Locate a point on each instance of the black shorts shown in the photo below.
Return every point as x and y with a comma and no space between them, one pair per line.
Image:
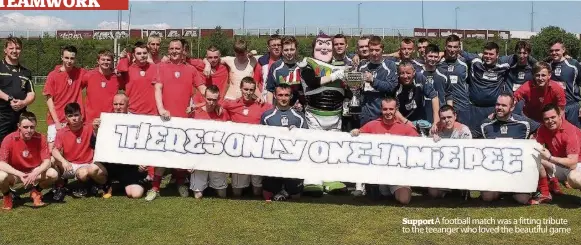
276,184
8,123
125,174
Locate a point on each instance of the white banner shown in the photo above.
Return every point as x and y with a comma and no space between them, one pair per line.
505,165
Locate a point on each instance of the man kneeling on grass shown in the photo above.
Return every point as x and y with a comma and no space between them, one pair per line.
129,176
24,158
73,153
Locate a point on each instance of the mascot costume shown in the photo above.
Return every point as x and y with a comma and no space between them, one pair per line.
324,91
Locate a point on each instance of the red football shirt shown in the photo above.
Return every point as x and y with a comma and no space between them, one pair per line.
24,155
139,88
218,78
562,142
378,127
75,146
100,92
200,113
241,111
536,98
178,82
64,88
124,63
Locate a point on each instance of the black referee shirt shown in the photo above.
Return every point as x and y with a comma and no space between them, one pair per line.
16,81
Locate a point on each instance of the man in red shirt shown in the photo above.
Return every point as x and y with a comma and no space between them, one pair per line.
540,92
173,93
138,82
63,86
73,153
560,152
218,74
101,86
24,158
200,179
246,110
129,176
388,124
153,57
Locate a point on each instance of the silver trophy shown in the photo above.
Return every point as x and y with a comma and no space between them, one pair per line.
356,83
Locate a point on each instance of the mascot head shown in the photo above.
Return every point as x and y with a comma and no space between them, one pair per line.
323,48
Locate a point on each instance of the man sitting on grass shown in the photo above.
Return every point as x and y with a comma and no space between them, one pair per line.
73,153
24,158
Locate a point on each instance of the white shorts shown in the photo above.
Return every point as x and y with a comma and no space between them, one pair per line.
327,123
240,181
388,190
76,166
200,178
561,172
51,133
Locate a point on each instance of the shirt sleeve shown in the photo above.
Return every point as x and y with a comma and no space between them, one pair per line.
465,133
49,85
561,99
198,64
469,56
28,87
258,77
521,92
6,150
366,129
159,74
44,154
572,146
197,79
85,76
270,80
58,141
123,65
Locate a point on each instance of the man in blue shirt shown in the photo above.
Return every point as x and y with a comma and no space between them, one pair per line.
286,71
487,81
413,92
435,76
505,124
380,77
566,73
455,68
282,115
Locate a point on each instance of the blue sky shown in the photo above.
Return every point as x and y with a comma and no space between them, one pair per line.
406,15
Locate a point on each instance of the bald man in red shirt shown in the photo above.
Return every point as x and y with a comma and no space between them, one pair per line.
101,86
24,157
540,92
388,124
173,92
561,142
246,109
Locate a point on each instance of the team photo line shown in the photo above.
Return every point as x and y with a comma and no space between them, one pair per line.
449,94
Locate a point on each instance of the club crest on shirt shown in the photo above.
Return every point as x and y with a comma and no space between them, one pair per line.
541,99
245,111
177,74
142,73
284,121
521,75
79,140
430,79
503,129
103,84
558,71
450,68
70,81
25,153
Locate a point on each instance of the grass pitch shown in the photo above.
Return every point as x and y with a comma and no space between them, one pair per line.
327,220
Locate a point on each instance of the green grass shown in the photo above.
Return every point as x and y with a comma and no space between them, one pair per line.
327,220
